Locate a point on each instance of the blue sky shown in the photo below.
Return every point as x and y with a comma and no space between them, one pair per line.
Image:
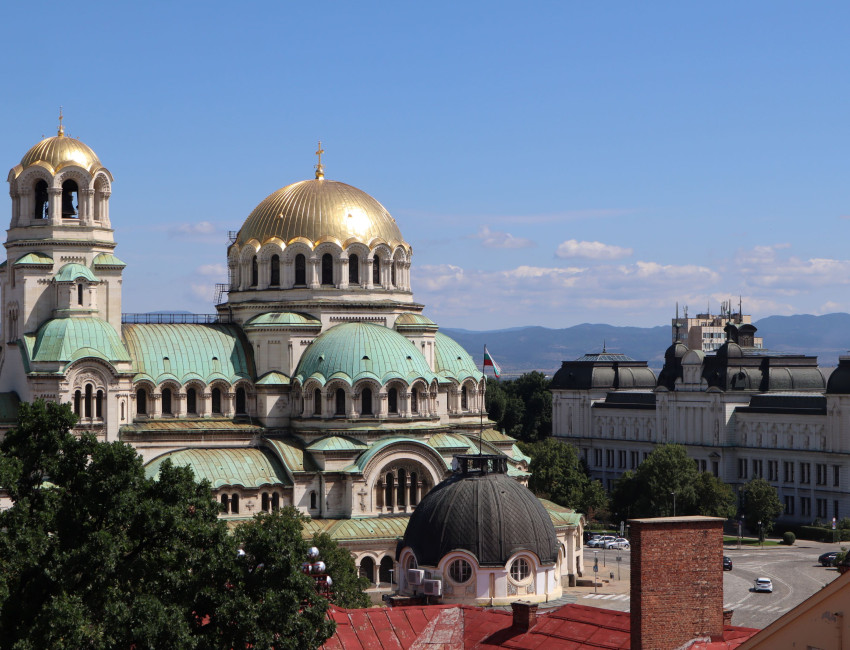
550,163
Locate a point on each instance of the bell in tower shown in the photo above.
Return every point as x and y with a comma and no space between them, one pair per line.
69,192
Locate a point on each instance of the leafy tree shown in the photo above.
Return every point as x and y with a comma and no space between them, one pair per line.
557,474
714,497
348,585
522,406
93,554
761,504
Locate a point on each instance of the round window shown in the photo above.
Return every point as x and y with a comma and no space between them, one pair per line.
520,569
460,571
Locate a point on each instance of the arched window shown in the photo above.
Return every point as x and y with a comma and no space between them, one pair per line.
225,503
265,502
98,404
122,411
191,401
390,490
41,201
88,400
241,408
340,401
255,271
402,488
166,401
376,271
317,402
392,272
414,401
460,571
414,488
69,198
520,569
366,402
80,293
216,401
77,401
464,400
300,270
327,269
385,570
312,500
392,400
234,504
367,569
275,501
353,269
275,271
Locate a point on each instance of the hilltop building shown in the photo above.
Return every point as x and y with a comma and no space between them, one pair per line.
742,413
318,382
706,331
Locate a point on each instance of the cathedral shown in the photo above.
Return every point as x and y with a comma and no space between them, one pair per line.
318,382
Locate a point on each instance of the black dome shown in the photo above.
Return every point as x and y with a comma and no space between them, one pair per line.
484,512
839,380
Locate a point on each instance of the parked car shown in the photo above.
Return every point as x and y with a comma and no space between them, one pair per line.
600,543
727,563
763,584
828,558
619,542
589,537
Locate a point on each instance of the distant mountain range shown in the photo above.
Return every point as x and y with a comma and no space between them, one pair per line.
522,349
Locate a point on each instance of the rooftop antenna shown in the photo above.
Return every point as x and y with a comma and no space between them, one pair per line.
740,307
320,169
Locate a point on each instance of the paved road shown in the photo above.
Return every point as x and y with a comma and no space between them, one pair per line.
794,570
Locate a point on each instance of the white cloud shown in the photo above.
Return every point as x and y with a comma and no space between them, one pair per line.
498,239
212,270
197,228
593,250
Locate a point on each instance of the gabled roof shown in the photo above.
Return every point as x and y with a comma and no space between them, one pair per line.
248,467
273,378
337,443
291,453
188,351
69,339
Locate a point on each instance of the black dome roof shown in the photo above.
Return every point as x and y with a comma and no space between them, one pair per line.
482,510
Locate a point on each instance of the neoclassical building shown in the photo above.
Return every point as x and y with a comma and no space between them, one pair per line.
742,412
317,383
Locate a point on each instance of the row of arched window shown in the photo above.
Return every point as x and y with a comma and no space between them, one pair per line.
366,402
167,401
88,403
385,570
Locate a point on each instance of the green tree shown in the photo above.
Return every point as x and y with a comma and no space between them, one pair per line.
761,506
714,497
522,407
557,474
94,554
349,586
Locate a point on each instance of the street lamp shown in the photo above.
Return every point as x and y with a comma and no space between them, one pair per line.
673,494
761,535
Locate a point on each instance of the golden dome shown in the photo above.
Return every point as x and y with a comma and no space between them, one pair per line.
58,152
320,210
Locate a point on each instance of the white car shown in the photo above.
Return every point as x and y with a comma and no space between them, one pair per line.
620,542
763,584
600,543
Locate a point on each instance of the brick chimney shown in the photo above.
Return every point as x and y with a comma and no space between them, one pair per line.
677,581
525,615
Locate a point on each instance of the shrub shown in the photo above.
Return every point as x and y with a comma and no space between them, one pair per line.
789,538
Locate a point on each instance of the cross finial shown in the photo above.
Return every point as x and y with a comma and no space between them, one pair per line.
320,170
61,132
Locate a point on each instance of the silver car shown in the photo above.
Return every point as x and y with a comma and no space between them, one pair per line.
763,584
620,542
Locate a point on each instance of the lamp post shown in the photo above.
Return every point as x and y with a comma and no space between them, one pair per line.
761,535
673,494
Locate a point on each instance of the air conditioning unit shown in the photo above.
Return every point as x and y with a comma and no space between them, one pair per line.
432,587
415,576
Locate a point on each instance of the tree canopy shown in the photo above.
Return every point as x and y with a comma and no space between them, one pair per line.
93,554
522,406
761,506
668,483
558,474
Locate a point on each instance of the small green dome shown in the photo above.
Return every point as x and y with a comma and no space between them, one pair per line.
452,361
283,319
409,320
69,339
353,351
70,272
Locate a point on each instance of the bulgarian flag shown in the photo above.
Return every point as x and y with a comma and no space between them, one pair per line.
489,361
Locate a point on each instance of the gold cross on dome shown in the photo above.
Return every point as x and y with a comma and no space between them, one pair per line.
61,128
320,170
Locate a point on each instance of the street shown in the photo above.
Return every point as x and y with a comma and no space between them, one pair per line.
794,570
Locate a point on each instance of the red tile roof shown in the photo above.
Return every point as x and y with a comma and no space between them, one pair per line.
461,627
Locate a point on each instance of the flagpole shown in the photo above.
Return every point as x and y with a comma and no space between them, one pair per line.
484,373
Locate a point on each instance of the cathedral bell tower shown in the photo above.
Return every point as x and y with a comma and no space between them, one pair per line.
59,246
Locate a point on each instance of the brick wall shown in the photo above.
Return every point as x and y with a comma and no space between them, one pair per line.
676,581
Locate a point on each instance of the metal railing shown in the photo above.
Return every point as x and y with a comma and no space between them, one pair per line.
171,318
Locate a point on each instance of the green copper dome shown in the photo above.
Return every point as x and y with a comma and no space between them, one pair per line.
69,339
70,273
354,351
452,361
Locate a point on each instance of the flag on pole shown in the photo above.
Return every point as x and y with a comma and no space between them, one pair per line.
489,361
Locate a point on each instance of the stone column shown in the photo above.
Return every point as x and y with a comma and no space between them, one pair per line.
86,206
368,278
54,198
155,406
228,403
205,405
180,398
313,272
104,208
382,405
343,273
